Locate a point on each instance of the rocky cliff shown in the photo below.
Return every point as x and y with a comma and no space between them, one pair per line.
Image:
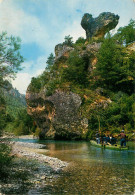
60,107
58,115
97,27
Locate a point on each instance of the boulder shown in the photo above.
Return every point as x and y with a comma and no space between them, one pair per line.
58,115
98,27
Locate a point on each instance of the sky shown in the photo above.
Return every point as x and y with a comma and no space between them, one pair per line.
42,24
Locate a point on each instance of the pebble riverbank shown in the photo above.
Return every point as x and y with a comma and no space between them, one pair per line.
30,162
31,151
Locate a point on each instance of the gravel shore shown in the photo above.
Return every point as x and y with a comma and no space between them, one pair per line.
36,171
33,151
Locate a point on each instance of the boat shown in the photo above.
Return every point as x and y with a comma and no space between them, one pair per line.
107,146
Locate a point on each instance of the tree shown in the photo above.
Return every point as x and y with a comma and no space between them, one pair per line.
120,112
10,57
115,67
126,34
23,123
76,71
50,62
2,114
68,40
80,40
10,63
35,84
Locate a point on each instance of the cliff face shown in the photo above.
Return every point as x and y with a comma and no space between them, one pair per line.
59,115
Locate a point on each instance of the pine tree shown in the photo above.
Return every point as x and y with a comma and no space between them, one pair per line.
50,62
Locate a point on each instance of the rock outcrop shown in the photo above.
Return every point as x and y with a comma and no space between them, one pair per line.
62,50
98,27
58,115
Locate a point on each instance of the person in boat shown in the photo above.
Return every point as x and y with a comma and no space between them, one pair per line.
112,140
98,137
122,138
107,139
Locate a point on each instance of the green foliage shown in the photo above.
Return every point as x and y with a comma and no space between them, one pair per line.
5,160
126,34
13,105
2,114
35,84
50,62
68,40
120,111
76,71
51,86
80,40
116,116
23,124
10,58
10,63
114,69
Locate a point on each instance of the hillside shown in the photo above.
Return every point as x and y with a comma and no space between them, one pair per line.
89,85
14,100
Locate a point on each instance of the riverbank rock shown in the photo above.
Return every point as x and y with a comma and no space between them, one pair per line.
98,27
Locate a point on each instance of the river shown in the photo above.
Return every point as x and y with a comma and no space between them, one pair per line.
92,171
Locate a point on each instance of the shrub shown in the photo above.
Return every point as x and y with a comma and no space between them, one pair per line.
80,40
5,160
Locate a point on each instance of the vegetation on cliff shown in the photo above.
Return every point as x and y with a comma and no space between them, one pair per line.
105,87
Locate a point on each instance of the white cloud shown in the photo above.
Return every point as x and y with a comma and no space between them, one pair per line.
33,66
19,23
75,30
27,65
23,79
39,72
21,82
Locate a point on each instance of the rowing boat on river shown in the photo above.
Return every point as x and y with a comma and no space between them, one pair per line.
111,147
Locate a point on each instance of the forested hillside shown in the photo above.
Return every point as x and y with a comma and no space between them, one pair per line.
14,100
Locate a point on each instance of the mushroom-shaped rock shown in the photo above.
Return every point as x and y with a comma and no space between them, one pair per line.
98,27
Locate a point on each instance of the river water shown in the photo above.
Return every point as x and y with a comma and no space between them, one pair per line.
92,171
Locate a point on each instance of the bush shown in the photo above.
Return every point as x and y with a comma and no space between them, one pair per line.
76,71
68,40
80,40
23,124
5,160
